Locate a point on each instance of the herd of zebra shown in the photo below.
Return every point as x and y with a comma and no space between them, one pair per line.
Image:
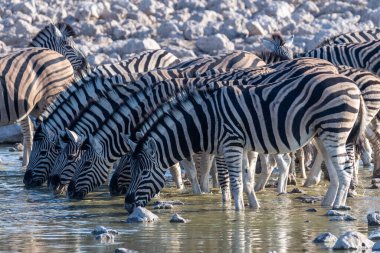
152,112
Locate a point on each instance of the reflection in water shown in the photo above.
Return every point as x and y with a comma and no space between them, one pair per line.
33,220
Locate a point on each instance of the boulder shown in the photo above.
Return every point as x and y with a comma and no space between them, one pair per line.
312,210
141,214
345,217
176,218
181,52
213,44
122,47
28,7
373,218
376,247
168,29
255,28
234,28
374,235
10,133
89,29
99,230
124,250
325,238
105,238
353,240
334,213
279,9
308,6
192,30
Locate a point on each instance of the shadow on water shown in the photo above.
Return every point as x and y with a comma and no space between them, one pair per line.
34,220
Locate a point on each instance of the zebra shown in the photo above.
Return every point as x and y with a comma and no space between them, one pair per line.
352,37
98,165
286,115
71,103
57,38
30,79
62,171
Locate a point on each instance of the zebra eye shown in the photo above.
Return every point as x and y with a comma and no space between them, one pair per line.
87,164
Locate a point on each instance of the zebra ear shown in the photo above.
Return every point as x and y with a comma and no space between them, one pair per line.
289,41
268,44
151,146
94,142
72,136
128,142
56,31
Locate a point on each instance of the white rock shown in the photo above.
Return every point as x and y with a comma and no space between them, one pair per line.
279,9
25,28
176,218
124,250
19,15
234,28
213,44
141,18
3,49
168,29
309,6
141,214
255,28
192,30
375,16
373,4
373,218
325,238
97,59
27,7
148,6
374,235
353,240
190,4
99,230
268,23
89,29
181,52
302,17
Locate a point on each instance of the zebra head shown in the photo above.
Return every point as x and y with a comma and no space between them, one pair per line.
147,176
64,166
42,156
279,45
57,38
91,170
121,178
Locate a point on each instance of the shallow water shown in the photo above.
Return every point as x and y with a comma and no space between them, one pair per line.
33,220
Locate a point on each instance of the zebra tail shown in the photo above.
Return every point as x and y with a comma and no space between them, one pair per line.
360,125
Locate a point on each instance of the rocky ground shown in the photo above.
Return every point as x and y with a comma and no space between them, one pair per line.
108,31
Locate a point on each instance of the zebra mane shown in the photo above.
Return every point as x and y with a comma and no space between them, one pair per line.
66,29
278,39
328,41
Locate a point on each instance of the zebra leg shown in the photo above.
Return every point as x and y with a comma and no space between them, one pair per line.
301,158
175,170
233,156
366,152
373,137
214,172
249,165
291,174
335,158
224,179
266,171
283,164
27,133
345,177
191,172
203,165
314,176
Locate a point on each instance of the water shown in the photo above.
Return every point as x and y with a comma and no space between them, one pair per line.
33,220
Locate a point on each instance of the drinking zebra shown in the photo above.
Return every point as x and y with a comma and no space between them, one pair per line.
286,115
93,166
64,166
30,79
71,103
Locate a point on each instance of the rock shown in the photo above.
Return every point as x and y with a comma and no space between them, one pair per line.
99,230
373,218
27,7
254,28
176,218
181,52
234,28
376,247
124,250
163,206
309,199
279,9
325,238
374,235
345,217
308,6
213,44
130,46
172,202
342,208
89,29
334,213
192,30
296,190
112,232
10,133
311,210
97,59
105,238
373,4
168,29
353,240
148,6
190,4
23,27
141,214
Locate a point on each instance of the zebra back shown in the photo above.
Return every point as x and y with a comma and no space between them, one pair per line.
30,79
352,37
